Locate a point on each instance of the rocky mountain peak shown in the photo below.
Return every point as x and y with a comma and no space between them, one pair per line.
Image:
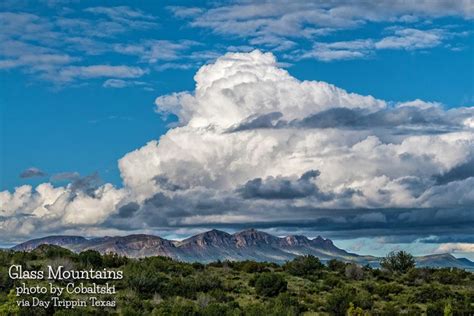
253,237
296,240
213,237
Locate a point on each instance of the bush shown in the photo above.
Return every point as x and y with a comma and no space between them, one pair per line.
144,279
176,307
253,267
285,304
113,260
303,266
354,272
331,281
390,309
339,300
270,284
336,266
400,261
90,258
433,293
384,290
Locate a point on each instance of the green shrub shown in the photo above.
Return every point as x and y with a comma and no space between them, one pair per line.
386,289
91,258
303,266
270,284
354,272
336,266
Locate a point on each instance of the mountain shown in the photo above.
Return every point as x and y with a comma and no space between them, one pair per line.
64,241
444,260
216,245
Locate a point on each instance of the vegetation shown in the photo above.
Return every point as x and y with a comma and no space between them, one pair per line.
303,286
400,262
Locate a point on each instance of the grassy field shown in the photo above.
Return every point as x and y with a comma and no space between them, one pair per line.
304,286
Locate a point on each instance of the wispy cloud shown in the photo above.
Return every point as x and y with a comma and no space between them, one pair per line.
99,71
272,23
119,84
62,49
408,39
32,172
152,51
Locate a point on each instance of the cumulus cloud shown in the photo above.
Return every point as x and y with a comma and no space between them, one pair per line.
455,247
249,141
281,188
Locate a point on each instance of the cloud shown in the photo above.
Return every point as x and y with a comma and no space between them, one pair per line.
119,83
152,51
409,39
32,172
271,24
281,188
71,73
245,153
121,12
455,247
65,176
58,48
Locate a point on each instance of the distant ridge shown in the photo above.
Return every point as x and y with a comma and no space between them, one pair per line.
213,245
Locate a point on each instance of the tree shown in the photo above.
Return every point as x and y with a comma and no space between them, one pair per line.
303,266
400,261
270,284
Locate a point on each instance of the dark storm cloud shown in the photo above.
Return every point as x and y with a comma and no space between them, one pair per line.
87,184
357,118
269,120
283,188
432,120
166,184
32,172
461,172
460,238
128,209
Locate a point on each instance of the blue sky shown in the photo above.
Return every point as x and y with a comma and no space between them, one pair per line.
79,80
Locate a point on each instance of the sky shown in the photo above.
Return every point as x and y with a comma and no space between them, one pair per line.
349,120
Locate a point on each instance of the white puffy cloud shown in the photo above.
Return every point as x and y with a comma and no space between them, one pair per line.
248,132
238,86
455,247
46,208
202,152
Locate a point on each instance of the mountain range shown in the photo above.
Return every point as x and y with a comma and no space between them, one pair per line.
216,245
